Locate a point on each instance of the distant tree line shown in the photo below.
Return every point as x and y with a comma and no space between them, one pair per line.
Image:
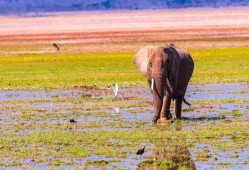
23,6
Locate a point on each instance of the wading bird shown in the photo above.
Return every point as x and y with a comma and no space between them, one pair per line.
140,151
56,46
115,89
72,121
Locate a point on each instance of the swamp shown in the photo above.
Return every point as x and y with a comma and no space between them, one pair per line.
57,113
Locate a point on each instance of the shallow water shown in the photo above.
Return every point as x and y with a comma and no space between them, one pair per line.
218,91
110,113
40,94
224,159
206,92
202,92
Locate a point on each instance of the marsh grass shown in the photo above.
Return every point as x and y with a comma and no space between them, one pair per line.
78,144
64,70
31,131
37,133
220,65
170,154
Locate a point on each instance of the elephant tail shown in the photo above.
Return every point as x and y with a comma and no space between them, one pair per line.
187,103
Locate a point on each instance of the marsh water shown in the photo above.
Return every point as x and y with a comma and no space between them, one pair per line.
125,107
202,92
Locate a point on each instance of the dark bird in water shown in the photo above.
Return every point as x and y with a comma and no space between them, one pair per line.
56,46
185,101
140,151
72,121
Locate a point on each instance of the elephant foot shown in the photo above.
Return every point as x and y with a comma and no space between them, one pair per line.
155,118
167,115
164,120
177,117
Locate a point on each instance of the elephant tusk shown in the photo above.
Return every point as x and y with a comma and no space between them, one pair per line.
152,84
169,86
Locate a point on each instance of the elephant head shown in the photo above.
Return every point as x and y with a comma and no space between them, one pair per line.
160,65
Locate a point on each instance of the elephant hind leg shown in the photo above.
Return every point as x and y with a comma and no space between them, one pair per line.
178,107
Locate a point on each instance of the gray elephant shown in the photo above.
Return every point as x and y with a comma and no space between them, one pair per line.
168,70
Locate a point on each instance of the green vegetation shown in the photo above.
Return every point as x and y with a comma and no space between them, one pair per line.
65,70
46,136
170,153
220,65
39,131
42,71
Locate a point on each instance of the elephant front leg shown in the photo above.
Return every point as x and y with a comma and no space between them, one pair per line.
165,113
178,107
156,116
158,102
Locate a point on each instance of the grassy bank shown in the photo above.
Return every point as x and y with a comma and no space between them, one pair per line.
39,71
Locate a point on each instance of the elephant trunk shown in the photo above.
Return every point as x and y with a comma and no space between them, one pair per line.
168,84
158,93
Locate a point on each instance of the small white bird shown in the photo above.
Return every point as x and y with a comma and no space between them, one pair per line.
115,89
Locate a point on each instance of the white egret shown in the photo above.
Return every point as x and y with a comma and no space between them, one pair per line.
114,88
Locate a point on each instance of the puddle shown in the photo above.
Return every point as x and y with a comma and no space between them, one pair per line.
236,159
39,94
132,109
218,91
204,92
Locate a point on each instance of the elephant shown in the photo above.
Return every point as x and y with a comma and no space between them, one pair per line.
168,70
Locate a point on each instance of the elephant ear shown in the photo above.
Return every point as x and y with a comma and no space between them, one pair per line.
141,60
